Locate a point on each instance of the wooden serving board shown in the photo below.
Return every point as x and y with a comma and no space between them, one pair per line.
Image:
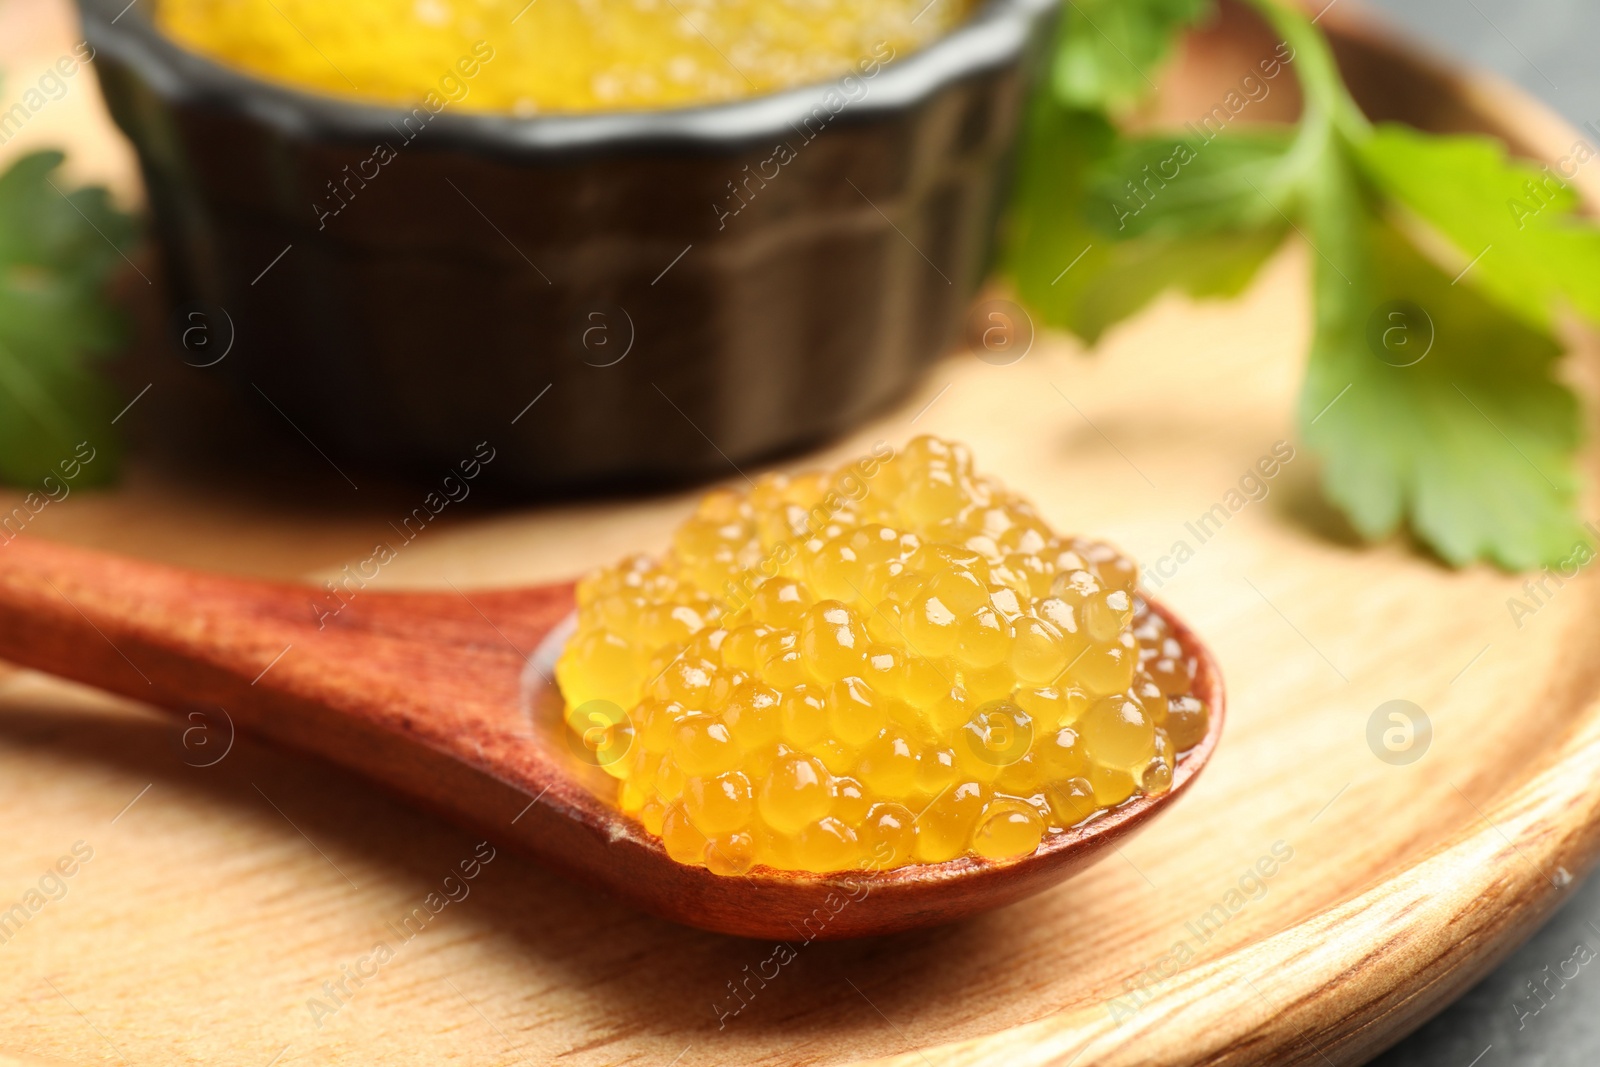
1308,902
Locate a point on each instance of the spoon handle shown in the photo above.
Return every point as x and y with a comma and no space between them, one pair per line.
422,692
155,633
350,674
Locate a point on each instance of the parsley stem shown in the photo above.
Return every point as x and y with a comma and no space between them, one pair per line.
1327,100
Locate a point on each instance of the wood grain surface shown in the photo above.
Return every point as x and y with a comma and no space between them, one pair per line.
1307,902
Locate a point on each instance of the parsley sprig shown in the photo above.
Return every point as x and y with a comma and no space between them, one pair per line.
58,248
1430,392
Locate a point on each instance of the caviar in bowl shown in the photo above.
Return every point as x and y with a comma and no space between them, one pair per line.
677,288
556,56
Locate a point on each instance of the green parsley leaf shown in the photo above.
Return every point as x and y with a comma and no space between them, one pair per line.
1049,234
1130,275
1110,49
1429,402
1512,221
1182,186
1067,256
1425,400
55,321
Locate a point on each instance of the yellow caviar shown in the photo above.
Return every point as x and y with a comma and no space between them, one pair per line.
897,662
530,56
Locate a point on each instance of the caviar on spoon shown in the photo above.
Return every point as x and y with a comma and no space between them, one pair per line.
895,662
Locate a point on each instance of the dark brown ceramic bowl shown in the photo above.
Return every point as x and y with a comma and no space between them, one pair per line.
589,262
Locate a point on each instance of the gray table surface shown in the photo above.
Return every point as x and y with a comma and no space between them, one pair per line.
1549,48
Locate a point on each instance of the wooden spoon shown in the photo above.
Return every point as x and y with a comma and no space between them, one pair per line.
445,698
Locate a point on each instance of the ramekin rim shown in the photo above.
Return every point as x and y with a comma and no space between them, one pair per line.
993,36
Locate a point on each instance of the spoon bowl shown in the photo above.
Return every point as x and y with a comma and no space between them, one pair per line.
447,698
